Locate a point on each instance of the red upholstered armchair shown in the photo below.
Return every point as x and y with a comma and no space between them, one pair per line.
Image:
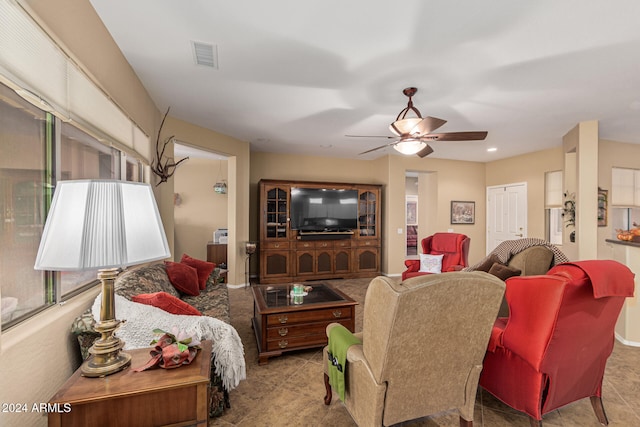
454,247
553,347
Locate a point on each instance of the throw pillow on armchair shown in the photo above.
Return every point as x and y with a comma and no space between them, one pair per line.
431,263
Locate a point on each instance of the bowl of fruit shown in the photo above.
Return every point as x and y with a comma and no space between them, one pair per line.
632,235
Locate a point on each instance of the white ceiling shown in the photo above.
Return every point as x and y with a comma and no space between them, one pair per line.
297,76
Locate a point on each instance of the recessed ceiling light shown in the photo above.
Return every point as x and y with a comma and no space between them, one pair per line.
492,149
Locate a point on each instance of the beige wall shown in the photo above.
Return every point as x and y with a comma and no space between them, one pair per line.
237,194
201,211
456,181
529,168
452,180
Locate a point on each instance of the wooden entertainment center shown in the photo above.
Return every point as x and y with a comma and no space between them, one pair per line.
288,255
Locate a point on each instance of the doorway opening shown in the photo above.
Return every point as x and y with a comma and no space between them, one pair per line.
411,214
201,211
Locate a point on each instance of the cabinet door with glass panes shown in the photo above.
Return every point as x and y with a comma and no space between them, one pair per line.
368,227
275,251
275,217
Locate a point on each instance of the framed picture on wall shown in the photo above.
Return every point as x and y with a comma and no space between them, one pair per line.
602,207
463,212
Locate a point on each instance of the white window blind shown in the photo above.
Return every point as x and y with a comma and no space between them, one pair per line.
625,187
87,104
37,68
30,59
553,189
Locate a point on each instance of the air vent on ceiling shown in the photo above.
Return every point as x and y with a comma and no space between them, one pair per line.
205,54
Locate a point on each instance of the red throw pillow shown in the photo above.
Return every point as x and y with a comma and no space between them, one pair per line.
167,302
204,269
183,277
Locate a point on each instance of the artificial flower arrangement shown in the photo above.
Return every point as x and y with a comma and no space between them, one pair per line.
172,349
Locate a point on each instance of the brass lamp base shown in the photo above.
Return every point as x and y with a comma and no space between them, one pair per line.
107,358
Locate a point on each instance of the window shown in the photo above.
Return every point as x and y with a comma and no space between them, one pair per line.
553,202
83,157
39,85
134,169
555,225
36,151
24,182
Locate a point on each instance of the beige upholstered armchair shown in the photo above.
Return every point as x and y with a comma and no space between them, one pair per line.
423,341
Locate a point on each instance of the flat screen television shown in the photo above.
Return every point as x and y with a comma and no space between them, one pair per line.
323,209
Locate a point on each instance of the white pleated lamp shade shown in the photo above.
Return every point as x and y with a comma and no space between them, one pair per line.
96,224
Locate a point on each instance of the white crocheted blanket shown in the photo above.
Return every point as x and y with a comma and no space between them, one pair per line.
141,320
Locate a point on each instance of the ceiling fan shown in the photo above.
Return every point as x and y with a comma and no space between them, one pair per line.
412,134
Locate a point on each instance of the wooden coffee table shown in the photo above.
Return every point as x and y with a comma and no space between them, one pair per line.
282,324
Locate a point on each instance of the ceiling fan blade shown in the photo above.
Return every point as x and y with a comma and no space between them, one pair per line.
427,125
455,136
371,136
378,148
425,151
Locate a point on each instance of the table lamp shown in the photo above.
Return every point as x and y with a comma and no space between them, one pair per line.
104,225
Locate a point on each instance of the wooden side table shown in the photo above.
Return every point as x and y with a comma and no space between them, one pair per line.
217,253
155,397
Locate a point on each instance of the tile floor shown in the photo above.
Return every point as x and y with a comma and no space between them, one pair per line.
289,390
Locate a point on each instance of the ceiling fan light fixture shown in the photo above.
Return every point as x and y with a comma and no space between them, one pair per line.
410,146
413,132
404,126
220,187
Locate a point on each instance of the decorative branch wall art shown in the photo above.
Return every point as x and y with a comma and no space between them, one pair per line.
163,167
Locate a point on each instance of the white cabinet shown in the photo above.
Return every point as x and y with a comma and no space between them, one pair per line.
625,187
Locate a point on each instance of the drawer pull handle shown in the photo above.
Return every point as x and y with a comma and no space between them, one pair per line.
277,245
337,313
283,319
283,331
283,344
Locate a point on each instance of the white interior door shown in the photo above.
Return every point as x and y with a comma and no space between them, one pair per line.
506,213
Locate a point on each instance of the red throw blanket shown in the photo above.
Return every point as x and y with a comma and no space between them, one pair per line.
608,278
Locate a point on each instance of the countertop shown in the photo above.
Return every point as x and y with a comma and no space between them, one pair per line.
622,242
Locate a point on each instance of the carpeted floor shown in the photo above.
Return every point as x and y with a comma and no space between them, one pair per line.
289,390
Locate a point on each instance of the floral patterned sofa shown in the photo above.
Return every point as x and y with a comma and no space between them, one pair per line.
212,301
